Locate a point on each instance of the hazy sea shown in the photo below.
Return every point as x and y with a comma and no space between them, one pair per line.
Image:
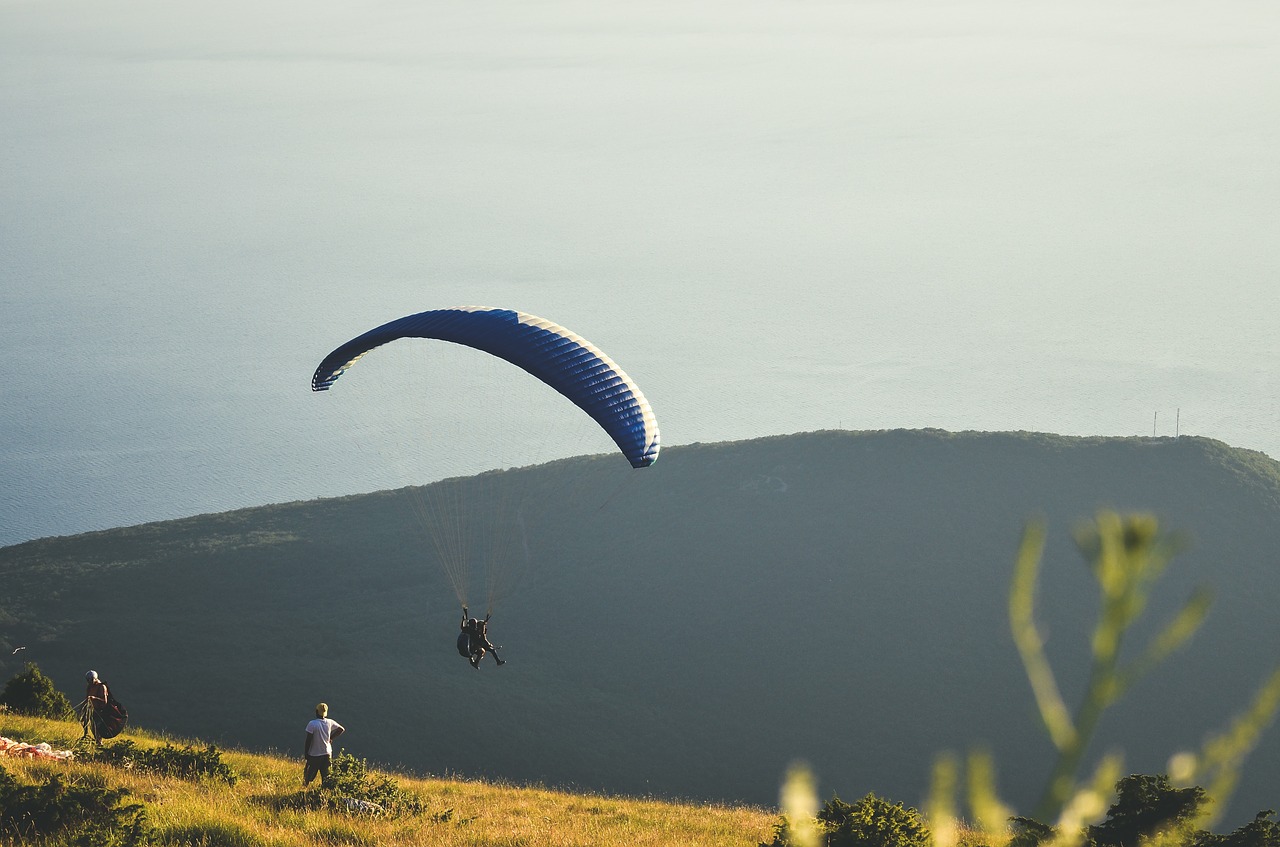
777,216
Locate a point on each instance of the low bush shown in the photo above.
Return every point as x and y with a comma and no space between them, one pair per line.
350,778
869,822
75,814
353,790
183,762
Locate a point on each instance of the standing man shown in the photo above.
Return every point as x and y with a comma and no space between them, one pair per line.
318,750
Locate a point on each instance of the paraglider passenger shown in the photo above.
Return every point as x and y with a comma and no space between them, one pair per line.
318,749
474,640
95,701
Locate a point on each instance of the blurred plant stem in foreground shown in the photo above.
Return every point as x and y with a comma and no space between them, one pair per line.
1127,555
799,802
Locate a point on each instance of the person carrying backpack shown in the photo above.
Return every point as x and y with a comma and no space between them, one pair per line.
102,716
95,702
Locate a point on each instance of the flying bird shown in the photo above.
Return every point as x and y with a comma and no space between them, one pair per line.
16,649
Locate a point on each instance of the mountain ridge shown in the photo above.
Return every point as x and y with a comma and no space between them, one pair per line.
832,596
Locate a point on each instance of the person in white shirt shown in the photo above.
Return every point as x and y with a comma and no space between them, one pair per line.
318,750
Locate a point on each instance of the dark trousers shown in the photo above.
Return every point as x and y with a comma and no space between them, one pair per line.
317,765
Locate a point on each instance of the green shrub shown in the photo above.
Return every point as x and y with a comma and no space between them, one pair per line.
32,693
873,822
350,780
181,762
1260,832
351,789
870,822
1028,832
77,814
1144,806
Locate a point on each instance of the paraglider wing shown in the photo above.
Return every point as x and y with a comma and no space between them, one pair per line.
562,359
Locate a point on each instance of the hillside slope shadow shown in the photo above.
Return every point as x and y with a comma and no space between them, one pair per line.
835,597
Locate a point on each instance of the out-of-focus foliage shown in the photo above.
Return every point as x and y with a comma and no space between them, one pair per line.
1149,811
1127,555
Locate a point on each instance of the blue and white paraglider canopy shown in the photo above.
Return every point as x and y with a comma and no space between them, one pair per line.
562,359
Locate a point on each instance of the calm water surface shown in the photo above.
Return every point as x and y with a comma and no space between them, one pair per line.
777,217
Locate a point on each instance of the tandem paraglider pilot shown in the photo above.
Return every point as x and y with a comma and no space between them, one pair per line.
474,640
318,750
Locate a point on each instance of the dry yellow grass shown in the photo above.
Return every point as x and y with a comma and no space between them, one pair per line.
483,814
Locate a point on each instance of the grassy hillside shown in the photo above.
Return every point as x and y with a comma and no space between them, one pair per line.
259,809
690,629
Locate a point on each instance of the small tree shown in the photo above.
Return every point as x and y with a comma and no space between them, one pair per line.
1146,805
32,693
873,822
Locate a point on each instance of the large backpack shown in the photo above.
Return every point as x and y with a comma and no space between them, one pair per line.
464,645
110,719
